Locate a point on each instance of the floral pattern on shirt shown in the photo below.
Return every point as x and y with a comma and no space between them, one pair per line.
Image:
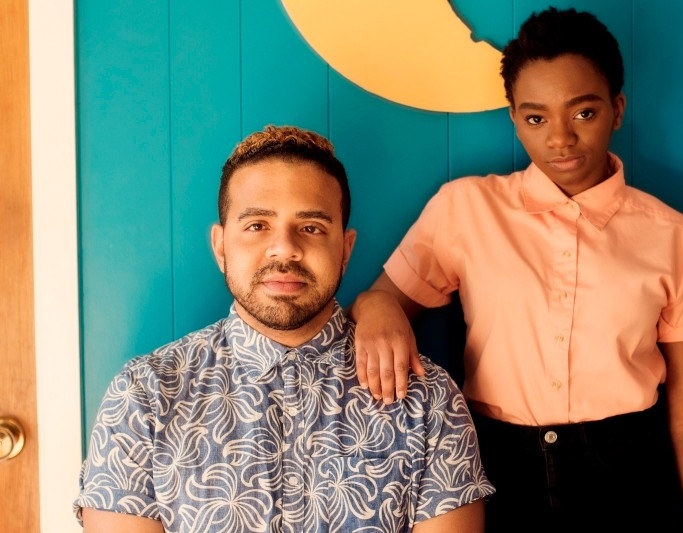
226,430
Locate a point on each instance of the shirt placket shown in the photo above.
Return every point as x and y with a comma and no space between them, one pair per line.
295,478
561,307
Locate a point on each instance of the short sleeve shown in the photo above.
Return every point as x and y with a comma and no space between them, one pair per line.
422,266
670,325
454,475
117,473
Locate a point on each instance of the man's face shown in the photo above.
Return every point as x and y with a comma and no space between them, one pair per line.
564,116
283,249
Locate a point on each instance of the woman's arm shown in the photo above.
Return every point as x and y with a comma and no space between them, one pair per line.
673,355
385,342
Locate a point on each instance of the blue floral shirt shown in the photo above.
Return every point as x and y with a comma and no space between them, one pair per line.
226,430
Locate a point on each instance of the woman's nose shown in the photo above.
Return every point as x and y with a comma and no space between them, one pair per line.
561,134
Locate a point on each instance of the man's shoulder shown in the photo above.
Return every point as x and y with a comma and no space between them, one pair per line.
436,383
209,339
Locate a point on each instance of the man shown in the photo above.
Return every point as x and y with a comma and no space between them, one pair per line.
257,422
571,284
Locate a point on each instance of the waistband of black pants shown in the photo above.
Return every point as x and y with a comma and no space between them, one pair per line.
639,425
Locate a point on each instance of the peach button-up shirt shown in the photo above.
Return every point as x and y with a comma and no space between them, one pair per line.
565,299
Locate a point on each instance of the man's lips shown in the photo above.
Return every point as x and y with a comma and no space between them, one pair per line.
284,284
282,278
564,164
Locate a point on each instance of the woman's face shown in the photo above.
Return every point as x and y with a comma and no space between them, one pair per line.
564,117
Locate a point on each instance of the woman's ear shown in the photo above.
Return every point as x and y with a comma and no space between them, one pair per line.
619,105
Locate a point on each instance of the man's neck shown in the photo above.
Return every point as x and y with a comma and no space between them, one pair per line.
292,337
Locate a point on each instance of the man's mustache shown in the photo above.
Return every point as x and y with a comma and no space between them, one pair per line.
284,268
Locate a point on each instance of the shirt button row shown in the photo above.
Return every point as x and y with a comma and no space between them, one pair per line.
559,338
557,385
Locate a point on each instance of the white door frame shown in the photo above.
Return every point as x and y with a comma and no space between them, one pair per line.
55,242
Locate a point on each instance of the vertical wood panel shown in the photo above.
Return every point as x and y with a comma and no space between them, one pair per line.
205,126
656,105
396,158
283,81
125,223
19,511
483,143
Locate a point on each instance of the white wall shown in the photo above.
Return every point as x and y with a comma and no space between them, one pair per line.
53,142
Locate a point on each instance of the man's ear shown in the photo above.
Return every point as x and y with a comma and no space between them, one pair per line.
349,241
217,246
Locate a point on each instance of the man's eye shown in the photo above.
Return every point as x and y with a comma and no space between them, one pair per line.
311,229
534,120
255,226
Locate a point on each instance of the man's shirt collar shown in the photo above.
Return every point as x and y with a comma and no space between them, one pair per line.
258,354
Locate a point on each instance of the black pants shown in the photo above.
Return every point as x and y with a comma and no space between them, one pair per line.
612,475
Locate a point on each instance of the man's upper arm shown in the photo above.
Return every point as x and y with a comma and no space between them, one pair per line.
466,519
96,521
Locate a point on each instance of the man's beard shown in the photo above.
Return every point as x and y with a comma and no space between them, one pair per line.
285,313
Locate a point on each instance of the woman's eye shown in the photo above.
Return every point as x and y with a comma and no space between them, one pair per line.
585,114
534,120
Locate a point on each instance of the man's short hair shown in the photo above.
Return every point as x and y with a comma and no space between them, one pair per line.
287,143
552,33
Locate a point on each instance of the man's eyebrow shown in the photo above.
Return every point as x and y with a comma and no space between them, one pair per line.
314,214
569,103
260,212
256,212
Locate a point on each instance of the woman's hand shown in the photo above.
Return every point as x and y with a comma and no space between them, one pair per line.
385,343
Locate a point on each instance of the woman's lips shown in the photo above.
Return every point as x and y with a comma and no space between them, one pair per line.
565,164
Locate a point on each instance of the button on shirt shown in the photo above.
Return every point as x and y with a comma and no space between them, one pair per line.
228,431
565,298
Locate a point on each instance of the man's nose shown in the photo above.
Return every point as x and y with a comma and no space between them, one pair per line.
285,246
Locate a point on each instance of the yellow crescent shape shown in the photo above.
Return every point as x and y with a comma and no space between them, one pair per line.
413,52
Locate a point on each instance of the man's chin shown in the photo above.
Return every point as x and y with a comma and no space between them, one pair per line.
285,323
284,315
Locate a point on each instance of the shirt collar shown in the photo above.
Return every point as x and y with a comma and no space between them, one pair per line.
258,354
598,204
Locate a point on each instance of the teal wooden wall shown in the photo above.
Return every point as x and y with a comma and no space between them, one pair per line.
166,88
